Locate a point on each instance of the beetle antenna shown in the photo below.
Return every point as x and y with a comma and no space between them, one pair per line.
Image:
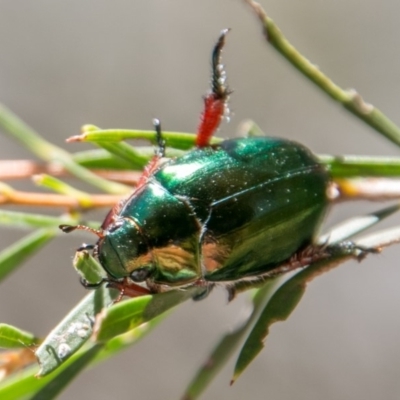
215,103
160,152
70,228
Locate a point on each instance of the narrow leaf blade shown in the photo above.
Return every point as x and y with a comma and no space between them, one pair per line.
14,338
14,255
129,314
286,298
54,387
228,344
73,331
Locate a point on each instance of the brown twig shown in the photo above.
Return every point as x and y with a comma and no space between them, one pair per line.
56,200
23,169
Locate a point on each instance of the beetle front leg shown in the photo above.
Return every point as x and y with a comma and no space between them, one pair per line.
127,288
215,103
204,288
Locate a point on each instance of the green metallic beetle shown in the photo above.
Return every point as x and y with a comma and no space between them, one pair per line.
245,209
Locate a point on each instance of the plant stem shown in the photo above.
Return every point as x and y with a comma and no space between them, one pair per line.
49,152
177,140
347,166
25,220
10,196
23,169
373,189
349,99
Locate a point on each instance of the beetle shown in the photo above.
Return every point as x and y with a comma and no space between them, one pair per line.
244,210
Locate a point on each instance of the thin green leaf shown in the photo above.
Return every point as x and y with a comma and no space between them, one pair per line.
380,239
354,226
286,298
177,140
56,385
129,314
61,187
96,353
22,384
121,342
88,268
25,383
100,159
228,344
30,220
127,153
14,255
349,99
49,152
274,312
73,331
347,166
211,367
14,338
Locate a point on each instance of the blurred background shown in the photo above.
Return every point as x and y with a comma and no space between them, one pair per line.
118,65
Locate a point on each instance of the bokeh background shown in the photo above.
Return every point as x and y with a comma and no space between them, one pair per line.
118,64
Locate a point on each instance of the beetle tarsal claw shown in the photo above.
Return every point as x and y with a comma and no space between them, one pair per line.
358,251
86,284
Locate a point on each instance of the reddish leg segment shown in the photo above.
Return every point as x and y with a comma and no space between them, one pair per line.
215,103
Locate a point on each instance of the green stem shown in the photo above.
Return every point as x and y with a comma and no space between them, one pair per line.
17,219
61,187
14,255
348,166
177,140
349,99
49,152
126,152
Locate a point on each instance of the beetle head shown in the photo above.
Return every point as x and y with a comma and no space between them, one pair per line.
123,251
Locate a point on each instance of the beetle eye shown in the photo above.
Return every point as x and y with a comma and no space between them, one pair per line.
140,274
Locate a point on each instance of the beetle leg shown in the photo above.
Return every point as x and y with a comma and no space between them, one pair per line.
160,152
206,287
234,288
347,246
315,253
301,259
128,289
88,285
215,103
155,162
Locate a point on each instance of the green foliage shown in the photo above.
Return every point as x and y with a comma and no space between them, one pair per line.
97,328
